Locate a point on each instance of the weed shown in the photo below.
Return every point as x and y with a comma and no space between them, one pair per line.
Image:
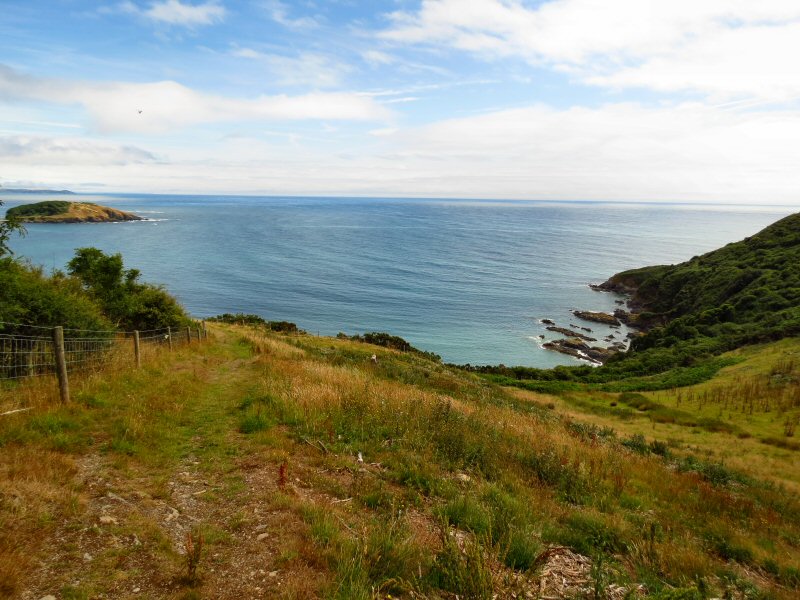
722,544
468,514
193,546
464,572
589,535
283,474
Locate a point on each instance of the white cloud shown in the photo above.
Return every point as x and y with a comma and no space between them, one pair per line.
307,68
175,12
168,105
44,151
377,58
279,12
625,42
623,151
619,151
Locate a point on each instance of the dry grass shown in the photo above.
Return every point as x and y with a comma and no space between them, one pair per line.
313,472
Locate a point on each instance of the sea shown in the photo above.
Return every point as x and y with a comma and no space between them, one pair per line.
470,280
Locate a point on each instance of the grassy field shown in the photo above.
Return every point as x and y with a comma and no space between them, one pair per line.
262,465
745,417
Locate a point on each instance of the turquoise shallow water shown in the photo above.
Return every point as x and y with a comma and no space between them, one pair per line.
466,279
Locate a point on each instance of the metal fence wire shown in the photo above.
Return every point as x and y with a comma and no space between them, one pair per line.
24,356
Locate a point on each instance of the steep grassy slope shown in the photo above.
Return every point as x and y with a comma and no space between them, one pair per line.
312,472
746,292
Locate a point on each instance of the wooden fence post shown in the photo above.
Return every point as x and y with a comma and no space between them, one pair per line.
31,369
137,350
61,364
188,334
169,337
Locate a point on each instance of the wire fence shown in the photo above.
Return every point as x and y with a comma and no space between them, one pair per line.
23,356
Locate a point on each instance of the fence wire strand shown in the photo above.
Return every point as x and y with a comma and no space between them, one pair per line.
23,356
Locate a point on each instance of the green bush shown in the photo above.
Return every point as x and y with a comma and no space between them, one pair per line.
124,300
27,295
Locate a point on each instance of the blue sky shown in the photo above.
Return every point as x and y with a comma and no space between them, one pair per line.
563,99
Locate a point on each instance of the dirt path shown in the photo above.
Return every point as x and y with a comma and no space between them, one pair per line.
127,538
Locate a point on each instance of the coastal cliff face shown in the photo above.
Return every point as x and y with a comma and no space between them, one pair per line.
745,292
61,211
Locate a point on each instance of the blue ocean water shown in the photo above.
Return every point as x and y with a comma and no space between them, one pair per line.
466,279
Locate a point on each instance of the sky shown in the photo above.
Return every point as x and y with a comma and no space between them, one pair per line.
629,100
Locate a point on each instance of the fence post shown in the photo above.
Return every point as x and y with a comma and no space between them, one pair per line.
169,337
205,331
188,334
61,364
137,350
30,367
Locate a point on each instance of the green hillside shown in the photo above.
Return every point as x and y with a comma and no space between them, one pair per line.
746,292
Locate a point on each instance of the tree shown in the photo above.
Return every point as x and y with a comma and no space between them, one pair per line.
131,304
8,227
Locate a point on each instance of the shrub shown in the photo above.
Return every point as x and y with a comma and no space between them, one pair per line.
130,304
27,295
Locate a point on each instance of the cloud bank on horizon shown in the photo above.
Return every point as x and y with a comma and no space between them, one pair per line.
555,99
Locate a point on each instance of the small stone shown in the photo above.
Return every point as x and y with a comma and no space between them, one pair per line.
48,597
261,527
262,536
87,556
464,477
108,520
273,573
136,590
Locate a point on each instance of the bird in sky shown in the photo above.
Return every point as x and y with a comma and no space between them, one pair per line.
140,111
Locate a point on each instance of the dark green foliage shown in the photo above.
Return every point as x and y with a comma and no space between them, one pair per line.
27,295
48,208
127,302
10,225
589,535
743,293
721,545
747,292
387,340
255,320
713,472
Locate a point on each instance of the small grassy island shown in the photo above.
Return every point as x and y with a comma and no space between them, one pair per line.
62,211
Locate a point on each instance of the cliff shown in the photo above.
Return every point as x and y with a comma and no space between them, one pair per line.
744,292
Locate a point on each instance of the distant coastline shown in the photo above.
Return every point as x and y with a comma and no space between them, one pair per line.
4,190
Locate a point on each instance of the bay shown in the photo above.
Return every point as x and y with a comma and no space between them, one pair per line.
467,279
